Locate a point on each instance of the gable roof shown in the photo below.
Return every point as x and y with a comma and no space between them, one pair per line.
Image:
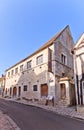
79,42
47,44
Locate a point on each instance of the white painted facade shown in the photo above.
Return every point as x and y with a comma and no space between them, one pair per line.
43,79
79,70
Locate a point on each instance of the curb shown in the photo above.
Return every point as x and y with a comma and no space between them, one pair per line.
12,123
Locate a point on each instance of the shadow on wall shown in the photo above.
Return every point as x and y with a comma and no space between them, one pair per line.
79,78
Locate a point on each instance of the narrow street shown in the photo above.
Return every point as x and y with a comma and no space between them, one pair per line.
33,118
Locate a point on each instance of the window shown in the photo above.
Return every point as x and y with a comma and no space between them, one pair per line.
25,88
39,59
16,70
8,74
12,72
35,88
29,64
63,59
21,68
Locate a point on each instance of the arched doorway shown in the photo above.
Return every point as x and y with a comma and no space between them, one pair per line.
63,91
14,91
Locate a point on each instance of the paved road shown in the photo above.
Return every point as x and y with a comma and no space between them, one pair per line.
33,118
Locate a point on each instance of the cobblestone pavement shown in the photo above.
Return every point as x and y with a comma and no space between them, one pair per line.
7,123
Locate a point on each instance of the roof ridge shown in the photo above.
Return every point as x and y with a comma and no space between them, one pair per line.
48,43
79,40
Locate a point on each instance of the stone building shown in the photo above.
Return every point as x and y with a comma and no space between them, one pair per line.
79,70
2,85
46,72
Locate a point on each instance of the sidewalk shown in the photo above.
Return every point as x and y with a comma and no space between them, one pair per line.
7,123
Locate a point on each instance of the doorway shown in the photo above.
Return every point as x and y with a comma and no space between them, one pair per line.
44,90
14,91
63,91
10,91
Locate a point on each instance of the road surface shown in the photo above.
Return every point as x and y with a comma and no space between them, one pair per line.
34,118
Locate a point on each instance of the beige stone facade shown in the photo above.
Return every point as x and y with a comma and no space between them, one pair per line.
41,74
2,85
79,70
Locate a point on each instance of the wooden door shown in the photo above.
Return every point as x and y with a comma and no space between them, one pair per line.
44,90
14,91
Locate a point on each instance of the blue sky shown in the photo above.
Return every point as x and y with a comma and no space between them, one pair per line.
25,25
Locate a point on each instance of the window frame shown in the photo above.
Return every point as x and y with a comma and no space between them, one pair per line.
29,64
12,72
9,74
25,88
39,59
35,88
16,70
21,68
64,59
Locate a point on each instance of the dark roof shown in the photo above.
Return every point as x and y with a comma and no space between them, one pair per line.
47,44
